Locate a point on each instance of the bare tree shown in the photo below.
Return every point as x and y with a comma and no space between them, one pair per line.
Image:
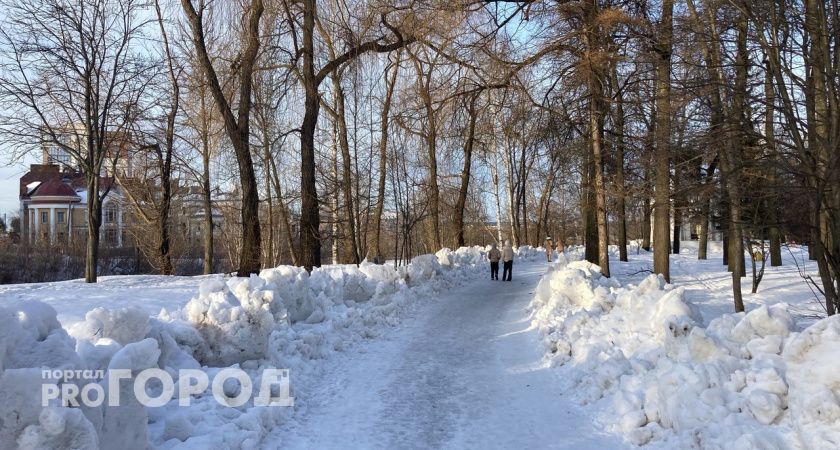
155,209
72,78
310,235
385,119
237,125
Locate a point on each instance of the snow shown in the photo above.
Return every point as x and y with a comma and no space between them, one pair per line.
811,360
464,371
434,354
283,317
661,368
74,298
57,429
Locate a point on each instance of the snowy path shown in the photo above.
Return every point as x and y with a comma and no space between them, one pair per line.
464,372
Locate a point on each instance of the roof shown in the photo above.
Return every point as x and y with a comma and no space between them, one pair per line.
54,190
37,173
46,180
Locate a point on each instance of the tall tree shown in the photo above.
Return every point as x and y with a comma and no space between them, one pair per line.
469,143
71,81
238,125
310,220
596,78
662,49
385,119
618,120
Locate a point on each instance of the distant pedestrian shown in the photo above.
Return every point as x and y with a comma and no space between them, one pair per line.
560,248
494,255
507,259
549,248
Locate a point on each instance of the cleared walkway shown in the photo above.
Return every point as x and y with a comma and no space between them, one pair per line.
465,372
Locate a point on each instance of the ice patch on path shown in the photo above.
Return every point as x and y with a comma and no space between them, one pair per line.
639,354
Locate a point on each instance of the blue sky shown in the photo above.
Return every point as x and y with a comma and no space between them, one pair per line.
9,176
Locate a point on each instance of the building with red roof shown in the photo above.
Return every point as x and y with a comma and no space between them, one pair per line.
53,206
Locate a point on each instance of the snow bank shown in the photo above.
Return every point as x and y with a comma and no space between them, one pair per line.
31,339
234,318
639,353
284,317
528,253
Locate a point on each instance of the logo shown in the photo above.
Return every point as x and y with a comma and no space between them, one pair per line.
155,387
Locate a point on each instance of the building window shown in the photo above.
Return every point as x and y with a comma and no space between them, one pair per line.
45,217
59,217
111,237
59,156
110,213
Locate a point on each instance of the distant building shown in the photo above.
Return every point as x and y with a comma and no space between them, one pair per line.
53,207
53,195
122,158
190,216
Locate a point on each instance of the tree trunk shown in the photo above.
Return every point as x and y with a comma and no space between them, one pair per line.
678,222
494,173
424,81
237,126
335,250
513,208
522,198
94,215
208,209
206,190
163,231
590,220
310,221
662,135
434,190
596,113
770,138
730,159
284,213
647,203
460,204
347,173
165,158
621,193
383,158
703,244
266,145
545,199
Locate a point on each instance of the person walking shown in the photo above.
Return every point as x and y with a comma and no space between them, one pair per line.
494,255
549,248
507,259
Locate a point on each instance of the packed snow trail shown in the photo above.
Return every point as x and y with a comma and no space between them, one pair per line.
465,372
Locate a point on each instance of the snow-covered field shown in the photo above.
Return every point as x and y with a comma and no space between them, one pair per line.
672,365
74,298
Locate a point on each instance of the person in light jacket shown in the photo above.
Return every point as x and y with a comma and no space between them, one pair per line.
549,248
494,255
507,259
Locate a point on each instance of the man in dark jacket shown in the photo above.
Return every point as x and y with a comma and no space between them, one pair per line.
494,255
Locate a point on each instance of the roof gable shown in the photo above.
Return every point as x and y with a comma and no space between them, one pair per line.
53,188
